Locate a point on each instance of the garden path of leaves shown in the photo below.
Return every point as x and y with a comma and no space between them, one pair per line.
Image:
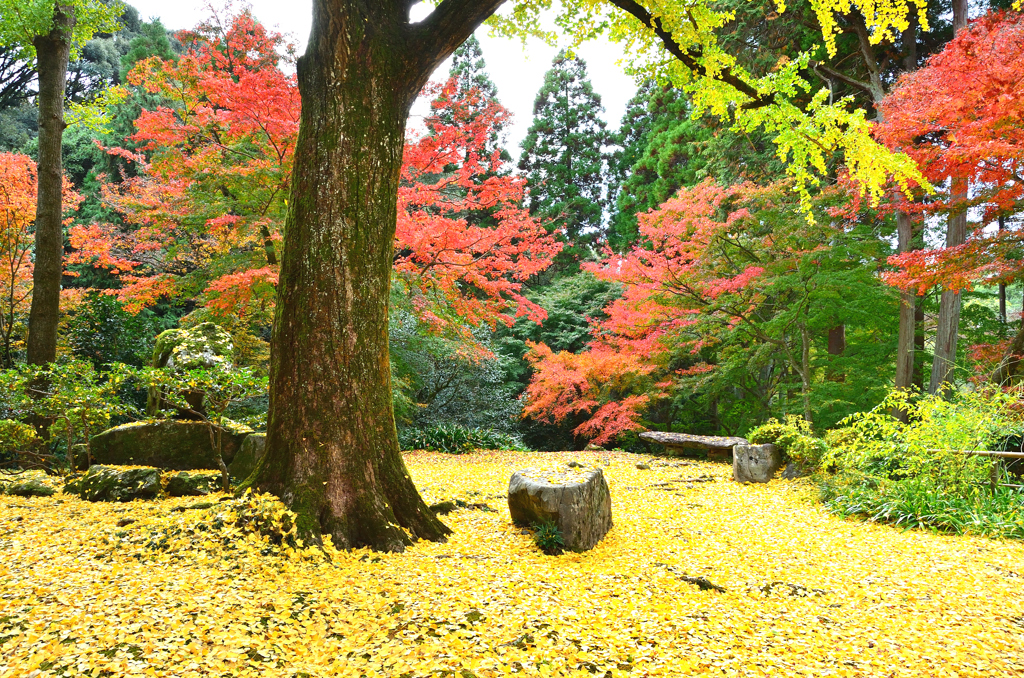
806,593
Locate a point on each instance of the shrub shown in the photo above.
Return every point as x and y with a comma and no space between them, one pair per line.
916,474
917,502
931,444
794,438
455,439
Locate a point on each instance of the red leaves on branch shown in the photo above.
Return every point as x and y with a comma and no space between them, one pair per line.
464,240
17,217
963,115
212,194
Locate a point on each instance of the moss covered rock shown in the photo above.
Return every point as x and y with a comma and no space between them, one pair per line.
30,487
192,483
244,463
111,483
175,445
202,346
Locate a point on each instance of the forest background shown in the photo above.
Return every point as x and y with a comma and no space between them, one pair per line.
669,275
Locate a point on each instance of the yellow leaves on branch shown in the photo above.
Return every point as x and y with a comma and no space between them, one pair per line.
806,594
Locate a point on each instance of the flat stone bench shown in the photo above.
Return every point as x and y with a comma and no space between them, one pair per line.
674,443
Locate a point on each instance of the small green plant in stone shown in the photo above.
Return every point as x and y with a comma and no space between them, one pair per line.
548,538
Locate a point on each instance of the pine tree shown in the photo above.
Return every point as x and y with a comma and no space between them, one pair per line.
662,148
563,156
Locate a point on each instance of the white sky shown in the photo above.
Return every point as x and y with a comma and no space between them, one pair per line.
517,72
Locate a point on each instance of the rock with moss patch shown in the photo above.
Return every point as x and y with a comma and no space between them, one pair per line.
192,483
112,483
249,455
29,487
169,444
199,347
577,502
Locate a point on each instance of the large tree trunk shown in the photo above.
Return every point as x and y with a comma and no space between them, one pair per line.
332,449
949,303
53,51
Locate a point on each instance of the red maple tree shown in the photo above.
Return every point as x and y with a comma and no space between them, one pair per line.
17,217
962,115
208,204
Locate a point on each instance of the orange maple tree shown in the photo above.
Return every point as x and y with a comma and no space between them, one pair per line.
207,207
727,283
17,217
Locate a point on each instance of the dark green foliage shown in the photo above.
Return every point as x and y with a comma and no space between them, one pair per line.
563,157
150,40
571,303
440,379
548,538
662,148
455,439
102,332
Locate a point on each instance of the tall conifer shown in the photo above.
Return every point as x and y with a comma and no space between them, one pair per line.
563,156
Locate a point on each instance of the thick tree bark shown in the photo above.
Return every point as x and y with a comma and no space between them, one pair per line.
52,52
332,448
949,303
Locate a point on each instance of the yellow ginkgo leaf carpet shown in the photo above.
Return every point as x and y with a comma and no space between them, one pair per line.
143,589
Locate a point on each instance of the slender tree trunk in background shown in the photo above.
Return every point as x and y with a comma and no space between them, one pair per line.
906,338
950,302
907,333
1009,366
837,340
960,15
332,448
1002,286
805,371
53,51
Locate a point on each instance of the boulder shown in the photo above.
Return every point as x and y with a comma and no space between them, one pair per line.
793,471
577,501
110,483
29,487
192,483
250,453
202,346
169,444
755,463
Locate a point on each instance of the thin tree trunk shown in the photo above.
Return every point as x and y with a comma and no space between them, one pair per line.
52,51
1002,286
906,337
906,342
332,447
805,371
1009,366
949,303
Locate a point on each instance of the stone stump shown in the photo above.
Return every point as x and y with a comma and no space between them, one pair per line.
576,500
755,463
